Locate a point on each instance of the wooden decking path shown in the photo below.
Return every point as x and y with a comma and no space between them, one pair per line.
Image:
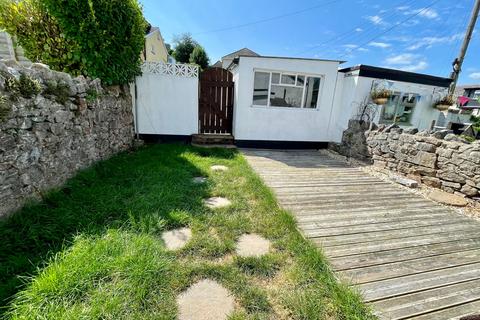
410,257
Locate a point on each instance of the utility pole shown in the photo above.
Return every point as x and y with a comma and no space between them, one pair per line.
457,64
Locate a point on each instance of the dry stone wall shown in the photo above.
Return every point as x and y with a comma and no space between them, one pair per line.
65,125
441,160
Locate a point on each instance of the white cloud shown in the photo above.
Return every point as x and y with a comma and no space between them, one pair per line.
375,20
350,46
358,29
475,75
422,65
407,62
382,45
403,8
363,49
428,42
428,13
402,59
422,12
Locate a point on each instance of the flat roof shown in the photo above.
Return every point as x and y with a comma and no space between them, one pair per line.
288,58
469,87
398,75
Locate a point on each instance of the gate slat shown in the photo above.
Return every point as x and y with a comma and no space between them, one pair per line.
216,101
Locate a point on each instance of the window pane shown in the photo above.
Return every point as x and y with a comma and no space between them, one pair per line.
283,96
312,91
300,81
288,79
390,109
275,77
260,88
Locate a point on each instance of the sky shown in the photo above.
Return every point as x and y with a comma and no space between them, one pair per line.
413,35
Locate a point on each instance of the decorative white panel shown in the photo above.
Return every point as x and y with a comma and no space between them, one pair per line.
173,69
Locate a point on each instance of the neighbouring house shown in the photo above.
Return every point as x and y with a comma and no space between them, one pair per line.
10,51
471,91
155,49
225,61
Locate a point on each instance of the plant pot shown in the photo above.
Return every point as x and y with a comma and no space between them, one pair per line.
442,107
380,101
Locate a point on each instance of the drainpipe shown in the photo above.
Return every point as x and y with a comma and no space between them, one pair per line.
331,109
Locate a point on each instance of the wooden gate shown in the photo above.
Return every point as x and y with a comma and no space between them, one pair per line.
215,105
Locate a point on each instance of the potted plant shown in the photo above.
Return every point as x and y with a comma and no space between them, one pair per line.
380,97
445,103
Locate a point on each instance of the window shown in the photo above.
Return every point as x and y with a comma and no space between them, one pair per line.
275,89
399,108
260,88
476,94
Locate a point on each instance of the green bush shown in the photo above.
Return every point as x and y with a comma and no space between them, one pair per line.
109,33
101,39
199,57
40,35
25,87
184,46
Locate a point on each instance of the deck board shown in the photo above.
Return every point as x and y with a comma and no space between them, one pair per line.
410,257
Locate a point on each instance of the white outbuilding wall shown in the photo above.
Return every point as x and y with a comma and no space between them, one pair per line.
267,123
167,99
356,90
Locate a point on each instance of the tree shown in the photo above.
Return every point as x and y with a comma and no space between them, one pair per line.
40,35
184,46
199,57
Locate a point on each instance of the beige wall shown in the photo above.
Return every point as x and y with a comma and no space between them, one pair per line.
155,49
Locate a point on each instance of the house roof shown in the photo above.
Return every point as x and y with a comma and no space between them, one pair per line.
151,31
217,64
242,52
398,75
469,87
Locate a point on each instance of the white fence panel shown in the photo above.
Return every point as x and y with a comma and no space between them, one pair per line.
167,99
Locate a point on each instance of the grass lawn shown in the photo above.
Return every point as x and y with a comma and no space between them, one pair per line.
92,249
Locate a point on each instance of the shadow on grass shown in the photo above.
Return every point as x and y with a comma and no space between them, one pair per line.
147,191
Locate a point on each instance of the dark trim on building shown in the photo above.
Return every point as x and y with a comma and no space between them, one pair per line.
165,138
269,144
398,75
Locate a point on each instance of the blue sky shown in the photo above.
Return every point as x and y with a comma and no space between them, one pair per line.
415,35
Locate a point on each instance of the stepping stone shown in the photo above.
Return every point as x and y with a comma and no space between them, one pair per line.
447,198
205,300
219,168
217,202
252,245
177,238
199,180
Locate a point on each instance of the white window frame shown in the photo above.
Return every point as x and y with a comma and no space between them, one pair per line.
296,74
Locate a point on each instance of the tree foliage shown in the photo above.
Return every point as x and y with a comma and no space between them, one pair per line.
199,57
97,38
109,33
184,46
40,35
